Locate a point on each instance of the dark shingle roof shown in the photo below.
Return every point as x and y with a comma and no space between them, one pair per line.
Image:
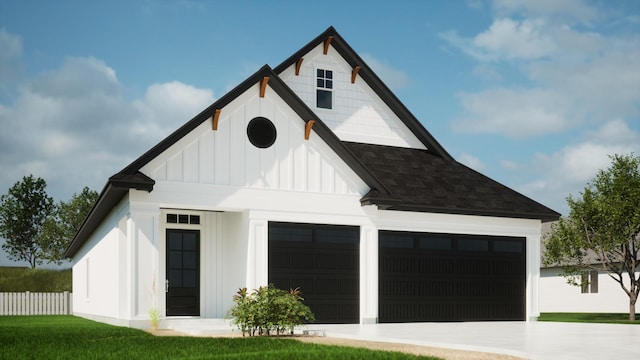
421,181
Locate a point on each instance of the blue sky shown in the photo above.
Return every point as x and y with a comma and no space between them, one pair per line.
534,94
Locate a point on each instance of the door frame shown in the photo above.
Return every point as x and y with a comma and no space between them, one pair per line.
162,268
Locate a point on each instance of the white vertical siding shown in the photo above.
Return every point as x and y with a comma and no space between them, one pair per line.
96,286
225,157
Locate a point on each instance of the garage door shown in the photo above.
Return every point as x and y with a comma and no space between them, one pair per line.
444,277
322,260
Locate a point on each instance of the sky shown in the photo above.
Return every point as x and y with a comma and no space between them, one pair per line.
534,94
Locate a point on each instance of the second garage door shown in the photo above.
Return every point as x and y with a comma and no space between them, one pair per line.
445,277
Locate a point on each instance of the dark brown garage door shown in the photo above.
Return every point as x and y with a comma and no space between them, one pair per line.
322,260
444,277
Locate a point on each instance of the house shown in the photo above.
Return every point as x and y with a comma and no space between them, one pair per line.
600,293
314,175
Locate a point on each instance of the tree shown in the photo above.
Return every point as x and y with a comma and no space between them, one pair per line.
602,231
62,224
23,211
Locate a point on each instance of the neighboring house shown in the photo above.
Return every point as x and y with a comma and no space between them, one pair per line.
600,294
313,175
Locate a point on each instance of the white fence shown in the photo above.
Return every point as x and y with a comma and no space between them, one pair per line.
30,303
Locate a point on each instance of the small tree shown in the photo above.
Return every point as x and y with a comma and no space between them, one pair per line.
62,224
602,231
23,211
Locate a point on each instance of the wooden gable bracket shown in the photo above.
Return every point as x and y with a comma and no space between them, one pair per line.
307,129
354,73
215,119
326,45
298,65
263,85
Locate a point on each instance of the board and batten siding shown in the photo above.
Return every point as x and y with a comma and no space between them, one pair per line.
225,157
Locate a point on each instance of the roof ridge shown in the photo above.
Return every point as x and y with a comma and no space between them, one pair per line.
376,84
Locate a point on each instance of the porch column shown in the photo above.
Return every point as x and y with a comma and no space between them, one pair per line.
368,274
533,277
257,255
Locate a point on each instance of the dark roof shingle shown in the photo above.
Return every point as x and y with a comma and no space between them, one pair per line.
421,181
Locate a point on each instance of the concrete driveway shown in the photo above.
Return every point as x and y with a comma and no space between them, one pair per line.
533,340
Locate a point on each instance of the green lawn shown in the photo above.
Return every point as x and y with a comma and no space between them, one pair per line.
589,318
68,337
13,279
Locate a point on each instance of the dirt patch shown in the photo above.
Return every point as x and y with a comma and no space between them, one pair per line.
448,354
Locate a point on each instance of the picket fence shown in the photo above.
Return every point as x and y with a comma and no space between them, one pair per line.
36,303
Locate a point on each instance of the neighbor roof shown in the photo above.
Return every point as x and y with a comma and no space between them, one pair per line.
399,178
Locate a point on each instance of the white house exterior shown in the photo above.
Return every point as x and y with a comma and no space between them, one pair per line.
310,175
602,295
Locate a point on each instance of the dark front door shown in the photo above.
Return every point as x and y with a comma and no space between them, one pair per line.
183,272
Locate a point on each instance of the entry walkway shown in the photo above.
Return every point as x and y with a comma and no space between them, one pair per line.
533,340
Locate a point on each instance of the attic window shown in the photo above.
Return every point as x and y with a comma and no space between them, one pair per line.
324,87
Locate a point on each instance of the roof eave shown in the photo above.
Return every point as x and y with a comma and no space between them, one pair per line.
394,205
378,86
116,188
131,178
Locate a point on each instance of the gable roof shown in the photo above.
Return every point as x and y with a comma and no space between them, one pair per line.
415,180
131,178
420,181
379,87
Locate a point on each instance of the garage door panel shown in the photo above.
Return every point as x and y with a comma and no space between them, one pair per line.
477,278
325,266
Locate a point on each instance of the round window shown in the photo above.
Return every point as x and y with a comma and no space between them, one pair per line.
261,132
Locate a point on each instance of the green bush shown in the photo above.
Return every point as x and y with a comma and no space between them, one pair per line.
269,310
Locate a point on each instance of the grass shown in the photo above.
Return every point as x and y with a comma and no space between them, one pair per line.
13,279
589,318
68,337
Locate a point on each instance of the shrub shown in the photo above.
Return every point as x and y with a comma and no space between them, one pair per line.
269,309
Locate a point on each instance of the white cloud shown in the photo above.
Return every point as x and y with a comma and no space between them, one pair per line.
506,40
511,39
475,4
517,113
11,46
487,72
392,77
166,107
472,162
569,169
509,165
73,127
10,52
575,10
566,77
